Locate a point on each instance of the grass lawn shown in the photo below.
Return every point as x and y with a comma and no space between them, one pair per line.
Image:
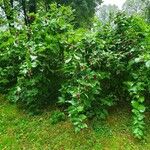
19,131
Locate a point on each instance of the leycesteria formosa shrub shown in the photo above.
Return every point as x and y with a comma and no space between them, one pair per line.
86,71
82,89
103,68
39,74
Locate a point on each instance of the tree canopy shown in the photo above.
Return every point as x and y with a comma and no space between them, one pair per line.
84,9
141,7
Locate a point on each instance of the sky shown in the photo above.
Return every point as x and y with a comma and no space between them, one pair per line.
119,3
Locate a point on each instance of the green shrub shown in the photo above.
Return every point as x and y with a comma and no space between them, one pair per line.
37,76
101,71
12,54
89,70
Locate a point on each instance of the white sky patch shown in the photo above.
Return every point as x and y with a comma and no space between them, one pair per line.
119,3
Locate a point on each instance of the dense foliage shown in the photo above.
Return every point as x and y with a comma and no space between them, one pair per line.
85,71
131,7
41,58
84,10
105,68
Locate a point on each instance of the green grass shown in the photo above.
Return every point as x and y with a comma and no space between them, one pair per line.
19,131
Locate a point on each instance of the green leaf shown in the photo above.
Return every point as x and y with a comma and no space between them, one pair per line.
135,104
80,108
137,60
82,117
76,57
61,100
68,60
141,108
147,64
141,99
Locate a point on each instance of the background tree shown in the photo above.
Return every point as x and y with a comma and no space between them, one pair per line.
84,9
106,12
141,7
8,9
133,6
147,12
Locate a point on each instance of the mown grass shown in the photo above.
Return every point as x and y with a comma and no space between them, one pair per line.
20,131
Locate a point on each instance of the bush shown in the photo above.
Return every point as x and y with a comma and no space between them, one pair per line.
104,68
89,70
11,56
37,75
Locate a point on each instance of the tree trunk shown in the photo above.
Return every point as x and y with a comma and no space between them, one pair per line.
32,6
8,8
32,9
23,4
